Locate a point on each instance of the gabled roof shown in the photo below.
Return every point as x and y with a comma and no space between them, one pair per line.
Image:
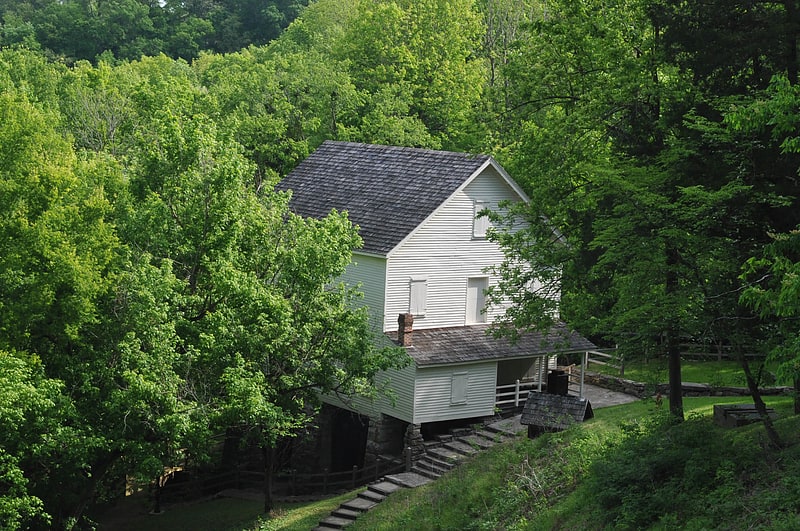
469,344
555,412
387,191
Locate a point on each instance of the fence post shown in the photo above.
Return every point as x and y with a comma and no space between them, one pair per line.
516,394
408,459
355,469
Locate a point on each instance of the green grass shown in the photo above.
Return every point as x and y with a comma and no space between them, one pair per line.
628,468
715,373
220,514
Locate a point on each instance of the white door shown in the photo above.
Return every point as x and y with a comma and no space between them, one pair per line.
476,299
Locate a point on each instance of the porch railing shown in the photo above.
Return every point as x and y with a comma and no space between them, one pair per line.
513,395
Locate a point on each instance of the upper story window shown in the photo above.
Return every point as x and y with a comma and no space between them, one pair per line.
418,296
480,224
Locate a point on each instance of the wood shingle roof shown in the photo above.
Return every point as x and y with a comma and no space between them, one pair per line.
550,412
387,191
465,344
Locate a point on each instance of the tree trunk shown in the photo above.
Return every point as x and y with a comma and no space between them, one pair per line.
99,470
673,339
269,455
761,407
791,40
675,380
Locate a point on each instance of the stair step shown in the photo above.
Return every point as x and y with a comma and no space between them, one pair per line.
348,514
446,464
431,444
408,479
492,436
428,466
335,522
478,442
443,437
460,447
359,504
384,487
324,528
372,495
445,454
505,428
427,474
461,432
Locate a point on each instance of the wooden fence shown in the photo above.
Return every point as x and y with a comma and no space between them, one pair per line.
689,351
609,359
192,485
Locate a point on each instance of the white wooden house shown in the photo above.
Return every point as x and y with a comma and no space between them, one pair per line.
426,254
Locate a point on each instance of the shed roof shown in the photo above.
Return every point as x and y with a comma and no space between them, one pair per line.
468,344
387,190
555,412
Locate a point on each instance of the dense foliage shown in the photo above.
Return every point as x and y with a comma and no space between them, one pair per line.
154,289
128,29
662,167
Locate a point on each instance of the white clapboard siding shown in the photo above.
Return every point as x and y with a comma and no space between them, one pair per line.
370,273
434,389
395,398
444,251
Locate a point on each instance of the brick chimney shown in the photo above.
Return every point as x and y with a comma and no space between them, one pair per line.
405,328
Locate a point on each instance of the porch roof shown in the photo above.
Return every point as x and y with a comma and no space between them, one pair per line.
469,344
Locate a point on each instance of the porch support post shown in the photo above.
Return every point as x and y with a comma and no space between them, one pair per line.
584,364
542,363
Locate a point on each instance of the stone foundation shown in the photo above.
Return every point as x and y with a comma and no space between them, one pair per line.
413,440
385,438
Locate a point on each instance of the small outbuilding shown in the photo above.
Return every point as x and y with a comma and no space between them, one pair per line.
546,412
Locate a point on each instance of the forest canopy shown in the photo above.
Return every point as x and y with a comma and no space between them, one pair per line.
155,289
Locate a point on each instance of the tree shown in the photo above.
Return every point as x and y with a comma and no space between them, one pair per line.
770,275
34,416
621,127
421,51
262,327
594,133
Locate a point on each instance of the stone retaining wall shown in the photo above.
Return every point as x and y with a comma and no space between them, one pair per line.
642,390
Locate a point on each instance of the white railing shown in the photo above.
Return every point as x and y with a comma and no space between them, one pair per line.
513,395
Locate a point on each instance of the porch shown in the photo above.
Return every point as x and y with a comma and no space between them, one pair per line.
518,378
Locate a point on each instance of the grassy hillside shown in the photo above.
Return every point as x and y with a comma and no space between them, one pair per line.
629,468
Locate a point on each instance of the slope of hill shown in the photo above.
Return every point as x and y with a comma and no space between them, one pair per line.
629,468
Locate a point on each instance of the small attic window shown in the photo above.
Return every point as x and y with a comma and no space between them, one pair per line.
480,224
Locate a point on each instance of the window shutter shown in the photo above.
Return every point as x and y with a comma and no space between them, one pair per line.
458,388
479,224
418,296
